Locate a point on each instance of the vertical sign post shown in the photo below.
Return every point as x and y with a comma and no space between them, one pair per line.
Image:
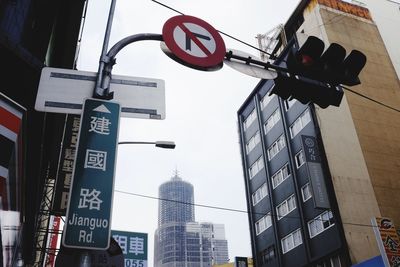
88,222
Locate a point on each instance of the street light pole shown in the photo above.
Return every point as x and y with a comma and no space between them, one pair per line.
99,91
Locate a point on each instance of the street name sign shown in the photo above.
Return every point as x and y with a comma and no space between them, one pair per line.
194,42
88,221
64,90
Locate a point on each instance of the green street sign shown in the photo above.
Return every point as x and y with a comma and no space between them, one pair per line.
134,247
88,222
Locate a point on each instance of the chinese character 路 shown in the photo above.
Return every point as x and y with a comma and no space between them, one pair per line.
89,199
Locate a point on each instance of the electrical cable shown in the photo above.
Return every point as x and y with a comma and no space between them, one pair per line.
371,99
225,209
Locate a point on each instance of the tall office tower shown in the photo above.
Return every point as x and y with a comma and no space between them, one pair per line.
179,241
176,208
316,177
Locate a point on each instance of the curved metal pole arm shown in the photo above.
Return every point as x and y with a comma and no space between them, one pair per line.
131,39
102,90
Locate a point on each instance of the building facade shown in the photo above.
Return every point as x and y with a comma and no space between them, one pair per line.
179,240
356,143
33,34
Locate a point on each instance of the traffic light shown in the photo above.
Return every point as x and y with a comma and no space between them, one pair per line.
316,75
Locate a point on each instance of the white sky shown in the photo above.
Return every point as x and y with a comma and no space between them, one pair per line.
201,110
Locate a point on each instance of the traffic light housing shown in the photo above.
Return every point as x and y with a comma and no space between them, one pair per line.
316,75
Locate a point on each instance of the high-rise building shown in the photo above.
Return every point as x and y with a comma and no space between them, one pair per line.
307,211
179,241
180,209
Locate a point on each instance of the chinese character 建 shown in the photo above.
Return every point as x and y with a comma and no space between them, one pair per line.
95,159
136,245
100,125
89,199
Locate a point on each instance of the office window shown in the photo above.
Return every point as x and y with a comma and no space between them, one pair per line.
280,176
320,223
265,100
300,123
289,103
335,261
287,206
277,146
306,192
263,224
299,159
267,254
291,241
256,167
254,140
260,193
272,120
249,120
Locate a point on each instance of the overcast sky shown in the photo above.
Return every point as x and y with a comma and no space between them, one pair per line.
201,112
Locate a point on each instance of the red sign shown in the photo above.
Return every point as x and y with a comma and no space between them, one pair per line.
389,240
194,41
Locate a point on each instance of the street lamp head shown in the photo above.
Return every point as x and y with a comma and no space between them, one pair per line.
161,144
165,144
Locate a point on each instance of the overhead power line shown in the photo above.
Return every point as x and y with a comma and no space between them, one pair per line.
224,209
371,99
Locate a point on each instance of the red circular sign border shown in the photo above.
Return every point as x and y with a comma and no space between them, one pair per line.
210,61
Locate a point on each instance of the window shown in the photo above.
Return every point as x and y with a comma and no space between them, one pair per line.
280,176
291,241
256,167
254,140
267,255
249,120
306,192
332,262
289,103
277,146
272,120
263,224
300,123
266,99
260,193
335,261
299,159
320,223
286,207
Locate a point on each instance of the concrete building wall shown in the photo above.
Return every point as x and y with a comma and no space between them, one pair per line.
361,138
386,15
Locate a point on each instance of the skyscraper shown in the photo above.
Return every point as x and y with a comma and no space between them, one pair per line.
179,241
302,217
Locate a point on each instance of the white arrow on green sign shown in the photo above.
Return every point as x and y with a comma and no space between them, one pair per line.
88,223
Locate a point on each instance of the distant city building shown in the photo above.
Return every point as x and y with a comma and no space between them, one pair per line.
306,211
179,241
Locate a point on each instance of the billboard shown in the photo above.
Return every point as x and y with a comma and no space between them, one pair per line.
388,241
314,166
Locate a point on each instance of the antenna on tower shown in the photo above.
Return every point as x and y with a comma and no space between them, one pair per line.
176,173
